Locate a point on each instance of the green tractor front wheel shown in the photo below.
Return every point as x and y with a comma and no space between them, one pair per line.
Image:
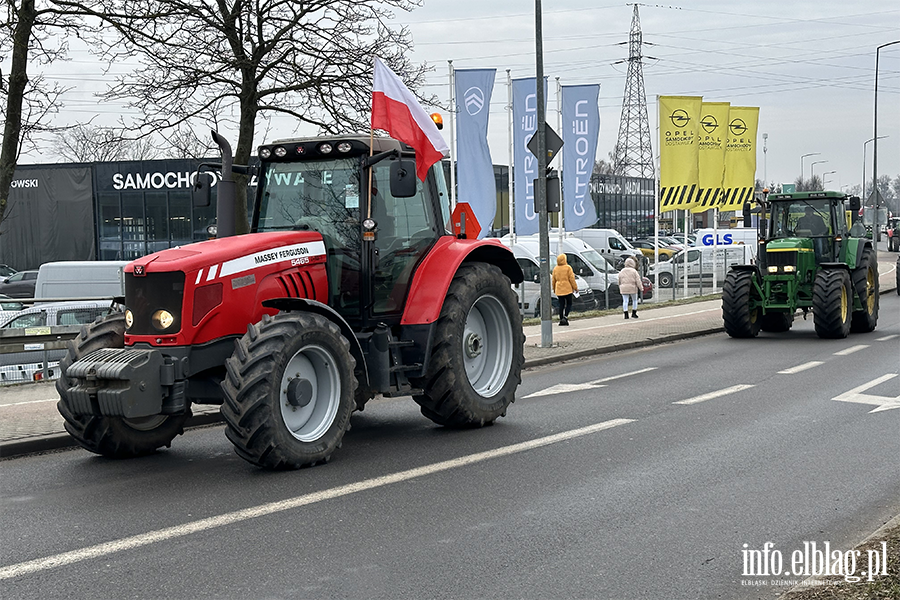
741,319
832,303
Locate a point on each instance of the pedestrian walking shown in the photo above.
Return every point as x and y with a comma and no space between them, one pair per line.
630,286
563,283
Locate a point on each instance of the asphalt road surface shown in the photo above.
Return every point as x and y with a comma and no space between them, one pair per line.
648,474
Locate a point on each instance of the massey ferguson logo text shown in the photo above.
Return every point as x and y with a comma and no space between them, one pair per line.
280,255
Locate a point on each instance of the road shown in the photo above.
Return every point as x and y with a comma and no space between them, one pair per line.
639,474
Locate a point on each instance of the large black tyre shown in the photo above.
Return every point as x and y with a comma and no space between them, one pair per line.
477,358
832,303
289,391
776,322
865,283
740,320
113,437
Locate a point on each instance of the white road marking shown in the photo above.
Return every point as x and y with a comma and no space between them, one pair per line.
803,367
605,379
29,402
851,350
168,533
616,323
562,388
704,397
881,403
887,337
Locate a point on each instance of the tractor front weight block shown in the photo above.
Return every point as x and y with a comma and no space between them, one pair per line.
128,383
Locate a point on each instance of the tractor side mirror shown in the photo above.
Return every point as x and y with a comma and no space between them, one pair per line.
403,179
200,191
747,222
854,204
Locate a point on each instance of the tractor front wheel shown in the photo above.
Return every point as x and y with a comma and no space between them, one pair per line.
865,282
113,437
476,362
832,303
289,391
741,321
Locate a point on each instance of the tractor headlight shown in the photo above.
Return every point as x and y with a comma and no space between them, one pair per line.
265,153
280,152
325,148
129,319
789,268
162,320
773,269
344,147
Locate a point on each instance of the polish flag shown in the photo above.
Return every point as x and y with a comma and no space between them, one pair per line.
396,110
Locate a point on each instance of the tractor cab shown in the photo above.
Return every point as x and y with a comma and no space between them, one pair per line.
807,221
376,218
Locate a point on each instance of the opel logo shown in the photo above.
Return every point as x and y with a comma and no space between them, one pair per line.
709,123
474,100
680,118
738,127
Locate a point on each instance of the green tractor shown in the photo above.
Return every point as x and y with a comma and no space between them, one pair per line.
808,259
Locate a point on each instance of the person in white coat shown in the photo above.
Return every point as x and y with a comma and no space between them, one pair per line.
630,286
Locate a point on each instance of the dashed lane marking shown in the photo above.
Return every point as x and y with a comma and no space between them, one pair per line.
29,402
887,337
711,395
851,350
262,510
803,367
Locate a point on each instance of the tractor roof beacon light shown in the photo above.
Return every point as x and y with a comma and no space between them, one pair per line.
438,120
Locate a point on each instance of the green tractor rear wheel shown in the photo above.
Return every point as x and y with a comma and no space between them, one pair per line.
740,320
865,283
832,303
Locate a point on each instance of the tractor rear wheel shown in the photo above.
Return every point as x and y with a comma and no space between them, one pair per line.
740,320
865,282
776,322
476,362
113,437
832,303
289,391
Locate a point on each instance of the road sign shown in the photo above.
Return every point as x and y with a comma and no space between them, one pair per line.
553,143
788,188
464,221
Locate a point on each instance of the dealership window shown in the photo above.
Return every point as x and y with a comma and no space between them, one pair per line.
157,230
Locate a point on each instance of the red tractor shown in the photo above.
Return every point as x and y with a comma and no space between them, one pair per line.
350,284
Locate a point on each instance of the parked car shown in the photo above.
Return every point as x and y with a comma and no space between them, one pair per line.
9,307
6,271
647,248
19,285
28,366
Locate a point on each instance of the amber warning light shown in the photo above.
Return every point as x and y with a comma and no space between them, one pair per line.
438,120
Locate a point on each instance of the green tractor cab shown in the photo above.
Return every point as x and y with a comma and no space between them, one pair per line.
810,258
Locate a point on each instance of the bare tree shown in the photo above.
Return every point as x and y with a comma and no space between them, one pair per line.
233,61
92,143
27,37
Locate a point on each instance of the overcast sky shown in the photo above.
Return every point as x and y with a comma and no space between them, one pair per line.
809,66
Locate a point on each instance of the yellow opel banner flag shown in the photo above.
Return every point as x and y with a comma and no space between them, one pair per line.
679,178
713,135
740,157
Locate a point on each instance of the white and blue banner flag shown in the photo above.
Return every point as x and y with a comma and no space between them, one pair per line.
580,131
474,168
525,164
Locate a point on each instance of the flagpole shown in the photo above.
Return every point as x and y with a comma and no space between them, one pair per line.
562,199
452,137
658,214
509,179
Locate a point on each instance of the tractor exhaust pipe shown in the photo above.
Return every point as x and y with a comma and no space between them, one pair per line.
227,190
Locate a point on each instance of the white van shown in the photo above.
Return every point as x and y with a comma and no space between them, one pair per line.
83,279
609,243
697,262
746,236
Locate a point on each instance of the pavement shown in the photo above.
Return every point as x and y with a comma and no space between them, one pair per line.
29,421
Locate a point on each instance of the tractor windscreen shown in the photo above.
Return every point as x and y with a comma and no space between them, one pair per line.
312,195
801,218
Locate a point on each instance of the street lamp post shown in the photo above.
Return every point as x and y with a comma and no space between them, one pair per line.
802,156
863,190
823,178
875,145
812,167
765,164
